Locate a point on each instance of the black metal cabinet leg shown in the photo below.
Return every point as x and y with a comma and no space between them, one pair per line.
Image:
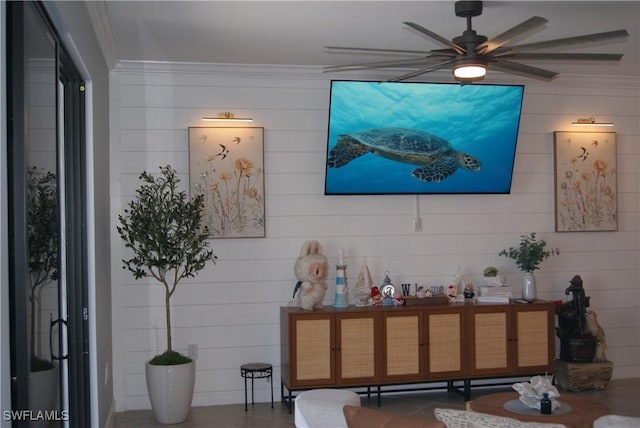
467,390
271,382
245,394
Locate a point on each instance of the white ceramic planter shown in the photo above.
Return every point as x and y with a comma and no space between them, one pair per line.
44,387
170,390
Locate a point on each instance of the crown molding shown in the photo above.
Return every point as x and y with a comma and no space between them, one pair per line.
315,72
99,16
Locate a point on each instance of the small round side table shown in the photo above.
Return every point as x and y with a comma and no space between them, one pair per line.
582,414
256,371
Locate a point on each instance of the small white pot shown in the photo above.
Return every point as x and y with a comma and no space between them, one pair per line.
170,390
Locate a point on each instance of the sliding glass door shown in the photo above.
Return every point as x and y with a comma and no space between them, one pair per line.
47,227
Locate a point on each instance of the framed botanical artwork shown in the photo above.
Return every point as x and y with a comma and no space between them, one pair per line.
226,165
585,181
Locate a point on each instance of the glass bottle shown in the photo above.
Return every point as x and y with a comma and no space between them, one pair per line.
545,404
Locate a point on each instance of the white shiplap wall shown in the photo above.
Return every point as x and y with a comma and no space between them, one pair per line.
230,310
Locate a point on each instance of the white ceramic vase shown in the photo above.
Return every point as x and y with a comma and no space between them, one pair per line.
529,292
170,390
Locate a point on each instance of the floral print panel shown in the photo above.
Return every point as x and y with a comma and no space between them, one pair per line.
585,180
226,165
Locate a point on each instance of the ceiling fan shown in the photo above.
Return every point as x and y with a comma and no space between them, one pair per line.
470,54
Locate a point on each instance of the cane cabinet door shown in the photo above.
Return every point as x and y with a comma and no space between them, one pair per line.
357,343
403,345
444,343
490,337
312,350
535,345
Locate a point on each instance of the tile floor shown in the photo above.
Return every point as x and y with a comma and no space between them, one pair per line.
621,396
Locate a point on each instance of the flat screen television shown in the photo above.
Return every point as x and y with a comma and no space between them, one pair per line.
421,138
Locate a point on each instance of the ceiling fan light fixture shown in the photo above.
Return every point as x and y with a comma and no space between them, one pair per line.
469,70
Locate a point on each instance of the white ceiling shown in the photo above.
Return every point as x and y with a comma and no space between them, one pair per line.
296,32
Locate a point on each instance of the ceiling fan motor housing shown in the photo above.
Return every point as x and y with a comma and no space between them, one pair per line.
469,40
467,9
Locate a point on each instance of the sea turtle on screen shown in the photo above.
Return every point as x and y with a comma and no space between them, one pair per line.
435,156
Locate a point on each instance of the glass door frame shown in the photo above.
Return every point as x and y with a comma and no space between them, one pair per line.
74,154
71,151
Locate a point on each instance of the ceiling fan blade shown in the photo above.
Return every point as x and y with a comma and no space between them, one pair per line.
459,50
562,56
526,70
389,51
506,37
569,41
380,64
421,71
444,52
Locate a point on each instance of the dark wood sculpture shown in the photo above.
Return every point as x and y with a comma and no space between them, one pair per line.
576,342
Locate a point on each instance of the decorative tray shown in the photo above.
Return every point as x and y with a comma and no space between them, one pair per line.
434,300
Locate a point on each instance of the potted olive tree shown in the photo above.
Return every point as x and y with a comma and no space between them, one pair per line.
42,244
528,256
164,231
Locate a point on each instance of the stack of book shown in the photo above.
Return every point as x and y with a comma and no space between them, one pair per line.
494,294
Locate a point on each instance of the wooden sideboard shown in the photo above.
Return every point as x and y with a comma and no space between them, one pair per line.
395,345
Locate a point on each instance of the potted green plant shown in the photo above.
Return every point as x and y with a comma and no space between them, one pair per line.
164,230
528,256
42,244
490,272
491,277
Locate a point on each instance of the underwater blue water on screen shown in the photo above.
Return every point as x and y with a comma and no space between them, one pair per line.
481,120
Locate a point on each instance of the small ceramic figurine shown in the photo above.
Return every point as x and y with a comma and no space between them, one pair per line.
593,327
376,297
468,291
452,292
